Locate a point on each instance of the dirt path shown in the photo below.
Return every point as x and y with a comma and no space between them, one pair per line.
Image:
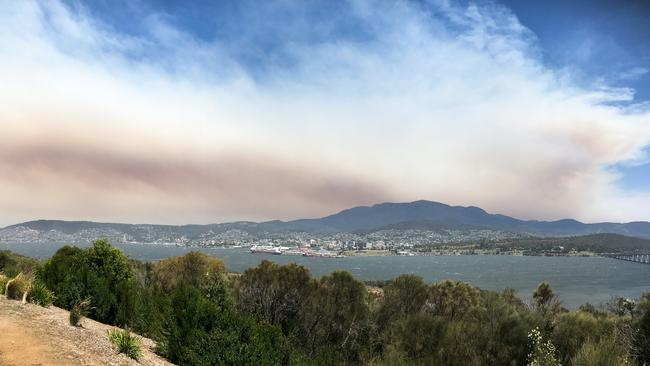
33,335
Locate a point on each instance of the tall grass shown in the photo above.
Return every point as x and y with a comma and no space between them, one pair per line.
17,287
3,283
40,294
125,342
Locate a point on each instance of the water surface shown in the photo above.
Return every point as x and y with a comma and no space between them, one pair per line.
576,280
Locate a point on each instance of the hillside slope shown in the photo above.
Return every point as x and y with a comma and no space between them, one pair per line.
33,335
421,215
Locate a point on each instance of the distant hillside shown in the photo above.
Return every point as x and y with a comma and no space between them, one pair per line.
418,215
435,215
601,243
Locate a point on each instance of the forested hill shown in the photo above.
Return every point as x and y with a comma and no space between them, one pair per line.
419,215
435,215
600,243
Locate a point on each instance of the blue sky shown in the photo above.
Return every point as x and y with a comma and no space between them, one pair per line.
285,109
600,42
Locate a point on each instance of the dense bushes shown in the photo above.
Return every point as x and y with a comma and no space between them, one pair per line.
200,332
275,293
280,315
11,264
604,352
195,269
100,273
642,323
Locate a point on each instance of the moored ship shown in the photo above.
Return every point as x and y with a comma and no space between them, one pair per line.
265,249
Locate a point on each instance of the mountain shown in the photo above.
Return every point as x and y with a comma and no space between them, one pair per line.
385,214
430,215
418,215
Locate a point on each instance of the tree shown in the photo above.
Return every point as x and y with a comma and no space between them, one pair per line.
276,293
491,333
543,295
194,268
416,337
100,273
451,299
406,295
200,332
621,306
502,330
106,275
62,275
574,329
546,304
204,272
335,320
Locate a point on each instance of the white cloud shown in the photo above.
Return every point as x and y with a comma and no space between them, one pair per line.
450,105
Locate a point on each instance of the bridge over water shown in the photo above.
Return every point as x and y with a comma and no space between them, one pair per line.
630,257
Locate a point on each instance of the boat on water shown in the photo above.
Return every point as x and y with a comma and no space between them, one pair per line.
269,249
297,252
323,254
265,249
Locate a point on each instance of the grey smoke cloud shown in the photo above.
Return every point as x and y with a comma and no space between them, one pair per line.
457,109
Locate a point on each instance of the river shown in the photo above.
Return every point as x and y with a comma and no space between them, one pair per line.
576,280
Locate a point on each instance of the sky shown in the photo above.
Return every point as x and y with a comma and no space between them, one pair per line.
200,111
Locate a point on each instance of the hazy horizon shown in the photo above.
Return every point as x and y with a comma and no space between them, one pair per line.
169,113
286,220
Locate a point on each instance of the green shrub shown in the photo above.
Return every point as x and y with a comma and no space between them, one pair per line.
275,293
200,332
100,272
41,295
17,287
62,273
605,352
78,311
576,328
125,342
194,268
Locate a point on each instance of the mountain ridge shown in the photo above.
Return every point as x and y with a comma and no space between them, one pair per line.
416,215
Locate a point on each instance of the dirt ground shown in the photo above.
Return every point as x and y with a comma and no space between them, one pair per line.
33,335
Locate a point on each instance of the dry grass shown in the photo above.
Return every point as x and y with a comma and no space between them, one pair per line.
3,283
18,287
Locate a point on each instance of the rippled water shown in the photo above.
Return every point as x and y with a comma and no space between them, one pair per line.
575,280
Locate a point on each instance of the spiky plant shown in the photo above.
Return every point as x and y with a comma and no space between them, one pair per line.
78,311
40,294
125,342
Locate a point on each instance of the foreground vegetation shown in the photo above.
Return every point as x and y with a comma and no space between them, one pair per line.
281,315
